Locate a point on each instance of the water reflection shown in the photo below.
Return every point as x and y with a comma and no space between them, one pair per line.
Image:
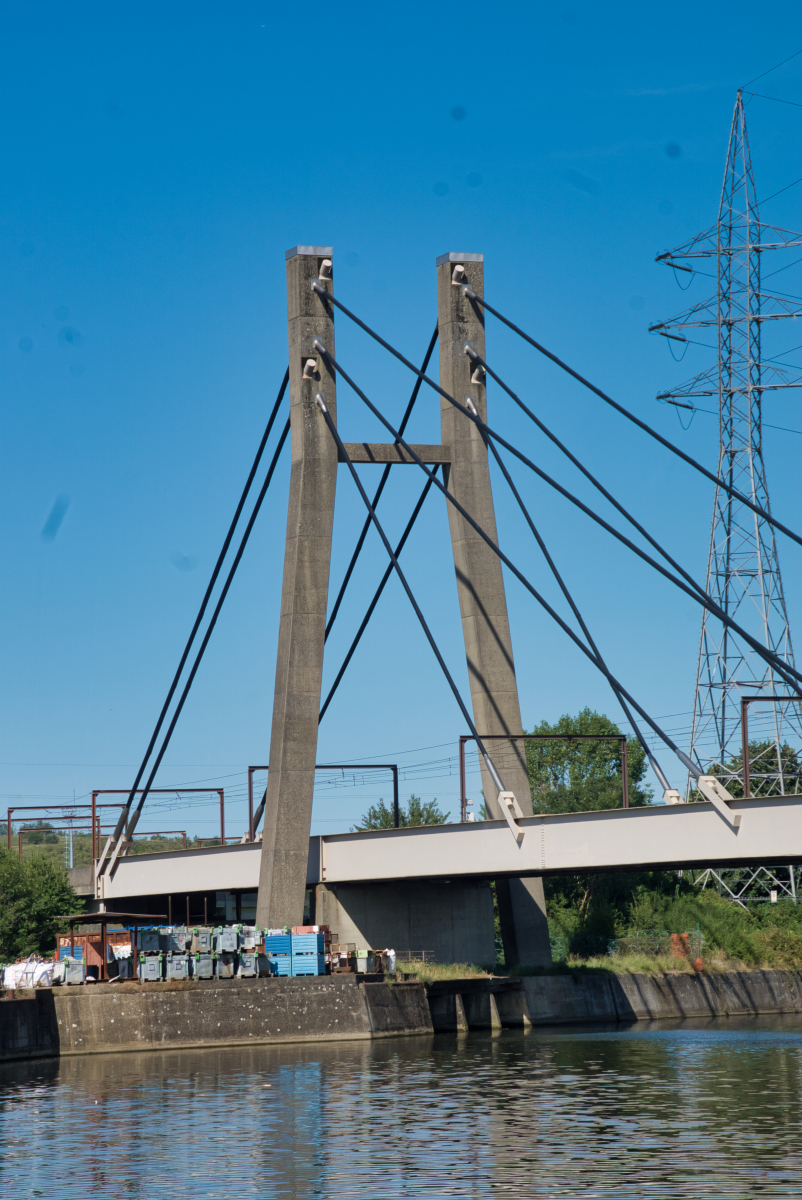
703,1109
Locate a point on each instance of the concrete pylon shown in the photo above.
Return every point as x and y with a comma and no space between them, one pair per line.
483,603
304,597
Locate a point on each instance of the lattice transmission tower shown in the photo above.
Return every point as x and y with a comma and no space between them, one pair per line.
743,572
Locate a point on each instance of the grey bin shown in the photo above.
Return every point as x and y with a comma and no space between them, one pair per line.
247,938
202,966
74,971
150,968
148,941
177,966
227,939
248,964
225,966
201,941
179,937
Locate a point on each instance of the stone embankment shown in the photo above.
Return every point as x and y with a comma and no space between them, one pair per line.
106,1018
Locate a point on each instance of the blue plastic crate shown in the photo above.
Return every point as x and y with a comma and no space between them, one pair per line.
279,943
308,943
308,964
280,964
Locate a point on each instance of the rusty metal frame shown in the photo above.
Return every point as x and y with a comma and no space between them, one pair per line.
180,791
541,737
745,702
330,767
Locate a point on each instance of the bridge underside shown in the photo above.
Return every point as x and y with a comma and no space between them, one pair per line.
657,838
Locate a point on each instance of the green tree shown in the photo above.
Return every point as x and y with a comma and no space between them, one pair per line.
580,776
33,892
380,816
762,762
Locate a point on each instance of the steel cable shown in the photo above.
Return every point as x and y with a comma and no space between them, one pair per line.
564,589
213,621
215,573
376,598
397,567
592,478
782,668
695,769
384,477
719,482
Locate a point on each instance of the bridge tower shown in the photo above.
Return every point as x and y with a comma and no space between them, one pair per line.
463,454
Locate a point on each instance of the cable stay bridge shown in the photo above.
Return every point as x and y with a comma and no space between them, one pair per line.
383,871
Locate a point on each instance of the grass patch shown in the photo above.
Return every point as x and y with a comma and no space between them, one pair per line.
428,972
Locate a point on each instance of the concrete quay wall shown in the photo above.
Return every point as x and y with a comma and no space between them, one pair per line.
586,997
107,1018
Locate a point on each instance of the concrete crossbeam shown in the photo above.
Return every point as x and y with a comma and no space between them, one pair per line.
388,452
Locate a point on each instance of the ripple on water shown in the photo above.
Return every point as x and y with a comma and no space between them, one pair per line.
690,1112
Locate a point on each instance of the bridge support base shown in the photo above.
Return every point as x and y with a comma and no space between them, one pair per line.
451,922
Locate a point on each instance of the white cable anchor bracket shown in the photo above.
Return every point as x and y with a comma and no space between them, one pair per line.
714,790
511,809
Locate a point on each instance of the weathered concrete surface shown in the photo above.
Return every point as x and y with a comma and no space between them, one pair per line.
451,921
482,600
458,1004
304,598
601,998
559,999
106,1017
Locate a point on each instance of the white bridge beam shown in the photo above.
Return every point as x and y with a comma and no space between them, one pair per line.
672,836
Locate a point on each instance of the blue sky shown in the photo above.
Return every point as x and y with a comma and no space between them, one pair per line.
157,162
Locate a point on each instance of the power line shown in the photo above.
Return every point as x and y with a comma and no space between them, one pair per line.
758,96
774,68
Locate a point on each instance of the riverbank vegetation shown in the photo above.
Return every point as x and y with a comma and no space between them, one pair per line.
33,892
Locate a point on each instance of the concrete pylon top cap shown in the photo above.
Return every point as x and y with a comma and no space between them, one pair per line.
455,257
315,251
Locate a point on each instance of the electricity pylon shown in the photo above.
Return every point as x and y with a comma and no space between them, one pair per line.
743,572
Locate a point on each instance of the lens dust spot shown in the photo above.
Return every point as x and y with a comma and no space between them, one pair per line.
673,149
458,113
70,337
183,562
57,514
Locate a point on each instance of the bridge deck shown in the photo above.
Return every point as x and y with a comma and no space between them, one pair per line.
617,839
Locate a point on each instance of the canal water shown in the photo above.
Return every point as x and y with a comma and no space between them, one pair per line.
708,1109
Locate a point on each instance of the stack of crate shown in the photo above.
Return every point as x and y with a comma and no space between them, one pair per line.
308,953
278,951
